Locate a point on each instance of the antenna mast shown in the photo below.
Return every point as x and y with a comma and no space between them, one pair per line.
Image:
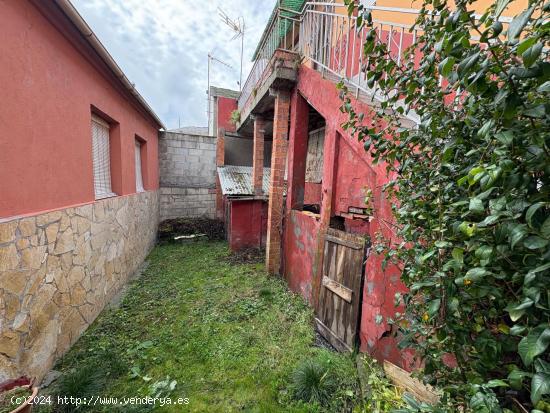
238,28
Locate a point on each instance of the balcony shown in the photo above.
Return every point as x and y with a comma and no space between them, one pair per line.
323,37
275,64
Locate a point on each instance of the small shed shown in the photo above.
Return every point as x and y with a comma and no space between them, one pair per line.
245,213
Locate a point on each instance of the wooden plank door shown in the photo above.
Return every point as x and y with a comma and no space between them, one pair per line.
339,302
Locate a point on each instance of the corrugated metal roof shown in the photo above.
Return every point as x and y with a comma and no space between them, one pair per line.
237,180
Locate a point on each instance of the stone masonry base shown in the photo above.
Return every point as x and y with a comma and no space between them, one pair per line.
59,269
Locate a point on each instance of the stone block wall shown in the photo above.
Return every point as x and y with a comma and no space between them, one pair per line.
59,269
187,175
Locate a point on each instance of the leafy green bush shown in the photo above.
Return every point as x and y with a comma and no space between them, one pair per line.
382,396
471,195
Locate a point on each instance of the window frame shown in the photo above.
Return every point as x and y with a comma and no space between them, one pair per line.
106,151
139,146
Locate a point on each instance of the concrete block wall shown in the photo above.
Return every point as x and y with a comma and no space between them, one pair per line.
187,165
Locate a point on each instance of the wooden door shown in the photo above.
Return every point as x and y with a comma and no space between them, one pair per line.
339,302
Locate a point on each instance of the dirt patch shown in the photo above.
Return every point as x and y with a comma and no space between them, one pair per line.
171,228
322,342
246,256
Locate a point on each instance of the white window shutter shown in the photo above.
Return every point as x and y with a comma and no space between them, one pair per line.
139,176
101,158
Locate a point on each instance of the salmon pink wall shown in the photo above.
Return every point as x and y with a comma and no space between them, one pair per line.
225,107
49,89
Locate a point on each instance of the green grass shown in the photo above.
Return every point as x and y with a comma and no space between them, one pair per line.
229,337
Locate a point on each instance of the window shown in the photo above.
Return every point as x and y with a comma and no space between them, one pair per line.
101,158
139,175
314,157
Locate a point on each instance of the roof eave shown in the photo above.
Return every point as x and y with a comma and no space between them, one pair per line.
76,19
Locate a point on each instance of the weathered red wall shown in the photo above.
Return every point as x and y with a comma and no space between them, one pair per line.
248,226
48,88
312,193
225,107
301,233
353,177
353,172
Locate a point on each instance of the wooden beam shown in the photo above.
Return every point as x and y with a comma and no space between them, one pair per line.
331,337
340,290
344,242
403,379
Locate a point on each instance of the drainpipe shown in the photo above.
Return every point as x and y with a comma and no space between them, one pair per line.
73,15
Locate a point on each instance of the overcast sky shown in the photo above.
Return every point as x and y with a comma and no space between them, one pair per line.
162,46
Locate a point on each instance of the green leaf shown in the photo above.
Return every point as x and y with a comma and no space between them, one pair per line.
505,137
446,66
484,252
531,55
411,401
545,228
545,87
540,385
517,233
483,131
525,44
476,206
476,274
426,256
534,344
531,211
542,366
433,307
516,311
489,220
496,383
458,254
516,377
519,22
535,242
535,111
541,268
517,330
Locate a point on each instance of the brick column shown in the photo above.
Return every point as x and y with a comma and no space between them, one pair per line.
258,158
220,161
220,148
297,151
276,187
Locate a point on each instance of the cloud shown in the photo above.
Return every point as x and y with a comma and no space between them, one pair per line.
162,46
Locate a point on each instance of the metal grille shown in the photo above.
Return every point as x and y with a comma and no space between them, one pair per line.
139,176
101,158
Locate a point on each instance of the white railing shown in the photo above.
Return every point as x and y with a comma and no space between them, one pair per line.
334,43
281,33
330,40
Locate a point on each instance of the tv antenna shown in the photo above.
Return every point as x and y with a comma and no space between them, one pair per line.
212,58
238,27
